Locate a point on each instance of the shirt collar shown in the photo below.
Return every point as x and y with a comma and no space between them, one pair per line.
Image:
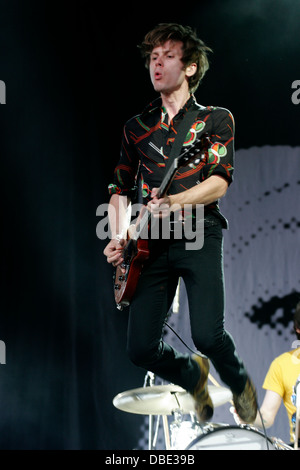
157,104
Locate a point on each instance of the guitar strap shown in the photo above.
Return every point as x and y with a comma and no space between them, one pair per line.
182,131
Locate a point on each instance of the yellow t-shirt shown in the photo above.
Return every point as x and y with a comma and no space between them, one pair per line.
282,377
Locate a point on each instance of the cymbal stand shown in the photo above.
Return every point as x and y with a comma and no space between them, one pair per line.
149,382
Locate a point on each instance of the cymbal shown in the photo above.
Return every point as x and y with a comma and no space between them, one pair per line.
165,399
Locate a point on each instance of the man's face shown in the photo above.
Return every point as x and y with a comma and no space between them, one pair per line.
166,68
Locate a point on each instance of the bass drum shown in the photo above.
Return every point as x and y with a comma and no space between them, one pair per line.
231,438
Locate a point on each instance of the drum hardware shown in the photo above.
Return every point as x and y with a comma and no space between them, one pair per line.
184,431
226,437
171,400
153,432
149,381
163,401
280,445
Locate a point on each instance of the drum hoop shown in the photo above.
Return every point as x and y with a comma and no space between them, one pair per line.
202,436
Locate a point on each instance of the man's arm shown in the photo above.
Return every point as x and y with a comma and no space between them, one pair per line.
205,193
268,409
118,215
118,221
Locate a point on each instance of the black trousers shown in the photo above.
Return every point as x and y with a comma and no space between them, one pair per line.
202,272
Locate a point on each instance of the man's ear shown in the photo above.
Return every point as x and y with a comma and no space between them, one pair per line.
191,70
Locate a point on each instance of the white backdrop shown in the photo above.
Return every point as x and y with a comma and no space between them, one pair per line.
261,267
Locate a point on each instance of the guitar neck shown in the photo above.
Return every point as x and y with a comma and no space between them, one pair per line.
198,147
166,182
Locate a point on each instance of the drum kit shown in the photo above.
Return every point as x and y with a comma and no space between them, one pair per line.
168,400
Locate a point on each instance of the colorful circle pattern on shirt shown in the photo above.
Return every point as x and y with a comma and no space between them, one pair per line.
197,127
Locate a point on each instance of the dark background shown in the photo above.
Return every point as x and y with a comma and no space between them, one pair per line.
73,76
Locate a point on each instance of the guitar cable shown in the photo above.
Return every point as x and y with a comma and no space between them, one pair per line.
201,355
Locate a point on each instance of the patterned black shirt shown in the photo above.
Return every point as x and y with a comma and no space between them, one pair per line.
147,142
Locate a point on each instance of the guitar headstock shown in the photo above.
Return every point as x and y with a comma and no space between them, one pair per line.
196,152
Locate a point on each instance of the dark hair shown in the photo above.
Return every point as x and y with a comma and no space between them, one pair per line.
194,49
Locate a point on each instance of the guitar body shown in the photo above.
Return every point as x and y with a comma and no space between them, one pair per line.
126,276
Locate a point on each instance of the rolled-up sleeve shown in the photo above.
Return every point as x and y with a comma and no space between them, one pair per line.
125,174
220,159
273,380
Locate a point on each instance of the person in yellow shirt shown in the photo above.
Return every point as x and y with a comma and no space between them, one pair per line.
281,384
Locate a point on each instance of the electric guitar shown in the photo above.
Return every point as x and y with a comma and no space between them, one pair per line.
136,250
